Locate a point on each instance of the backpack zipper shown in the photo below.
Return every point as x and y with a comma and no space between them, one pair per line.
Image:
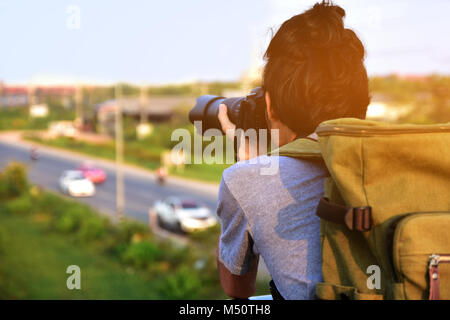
434,276
435,259
367,131
444,258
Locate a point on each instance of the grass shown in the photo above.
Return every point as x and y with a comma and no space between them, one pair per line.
34,257
17,118
34,263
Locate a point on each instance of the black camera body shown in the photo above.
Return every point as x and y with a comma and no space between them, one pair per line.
245,112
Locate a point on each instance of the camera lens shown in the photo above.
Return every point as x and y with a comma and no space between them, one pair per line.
245,112
207,111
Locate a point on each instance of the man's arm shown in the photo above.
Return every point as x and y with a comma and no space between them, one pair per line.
237,286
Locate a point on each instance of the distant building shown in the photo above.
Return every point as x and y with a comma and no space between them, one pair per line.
55,91
156,109
17,96
13,96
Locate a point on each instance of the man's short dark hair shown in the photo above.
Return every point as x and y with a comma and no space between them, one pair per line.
315,70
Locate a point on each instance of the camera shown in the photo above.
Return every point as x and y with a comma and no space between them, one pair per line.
245,112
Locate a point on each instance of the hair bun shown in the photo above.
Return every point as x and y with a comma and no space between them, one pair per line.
325,25
327,7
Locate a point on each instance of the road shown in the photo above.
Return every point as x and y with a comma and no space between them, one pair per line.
141,188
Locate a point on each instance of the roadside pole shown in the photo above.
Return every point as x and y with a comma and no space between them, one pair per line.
143,105
32,96
120,201
79,106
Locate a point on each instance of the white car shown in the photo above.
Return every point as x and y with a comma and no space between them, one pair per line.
184,215
75,184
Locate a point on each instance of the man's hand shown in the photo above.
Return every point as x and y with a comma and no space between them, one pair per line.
246,149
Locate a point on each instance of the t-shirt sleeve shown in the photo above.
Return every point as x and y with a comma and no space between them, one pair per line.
236,247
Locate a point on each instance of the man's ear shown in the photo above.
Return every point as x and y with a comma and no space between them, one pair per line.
270,113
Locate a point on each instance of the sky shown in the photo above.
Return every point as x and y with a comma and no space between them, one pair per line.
173,41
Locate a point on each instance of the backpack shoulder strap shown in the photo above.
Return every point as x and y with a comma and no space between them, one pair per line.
354,218
302,148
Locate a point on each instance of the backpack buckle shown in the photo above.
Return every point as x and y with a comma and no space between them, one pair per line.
359,218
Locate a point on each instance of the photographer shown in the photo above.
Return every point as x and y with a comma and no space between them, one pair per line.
314,72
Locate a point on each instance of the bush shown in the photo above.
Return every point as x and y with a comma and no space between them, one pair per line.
69,220
141,254
21,205
92,228
3,186
127,229
3,239
184,284
52,204
176,256
14,180
67,223
79,219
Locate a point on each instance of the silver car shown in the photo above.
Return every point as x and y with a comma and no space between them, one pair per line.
183,214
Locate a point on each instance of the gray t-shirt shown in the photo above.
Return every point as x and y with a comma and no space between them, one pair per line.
273,216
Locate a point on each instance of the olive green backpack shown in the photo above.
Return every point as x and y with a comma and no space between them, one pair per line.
385,215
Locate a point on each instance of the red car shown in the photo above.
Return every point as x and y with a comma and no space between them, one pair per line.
92,173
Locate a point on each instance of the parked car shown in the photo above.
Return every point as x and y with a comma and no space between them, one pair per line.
93,173
73,183
184,215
